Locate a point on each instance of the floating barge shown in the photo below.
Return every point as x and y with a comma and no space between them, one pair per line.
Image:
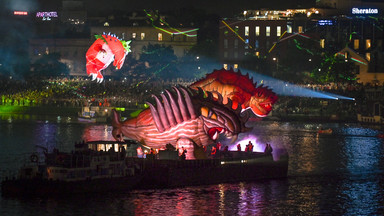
89,171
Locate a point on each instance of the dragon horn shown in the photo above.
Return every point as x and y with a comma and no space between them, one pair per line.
162,113
188,101
175,108
168,111
180,101
156,118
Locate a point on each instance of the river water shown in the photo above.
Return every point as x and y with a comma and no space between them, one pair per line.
329,174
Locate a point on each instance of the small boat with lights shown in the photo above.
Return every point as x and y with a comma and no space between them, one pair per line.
94,114
110,166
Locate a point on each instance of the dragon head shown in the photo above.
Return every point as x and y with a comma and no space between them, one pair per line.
219,118
261,102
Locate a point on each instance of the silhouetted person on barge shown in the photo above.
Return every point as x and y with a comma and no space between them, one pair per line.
268,149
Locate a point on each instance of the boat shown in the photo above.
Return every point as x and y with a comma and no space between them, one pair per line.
94,114
94,168
80,171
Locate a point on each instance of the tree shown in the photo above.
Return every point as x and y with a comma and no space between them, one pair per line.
160,61
334,68
47,66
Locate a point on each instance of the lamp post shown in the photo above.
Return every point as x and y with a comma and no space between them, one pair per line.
277,63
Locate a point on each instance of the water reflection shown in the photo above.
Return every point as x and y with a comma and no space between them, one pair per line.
329,174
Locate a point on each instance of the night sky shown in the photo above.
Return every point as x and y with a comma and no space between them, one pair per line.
220,7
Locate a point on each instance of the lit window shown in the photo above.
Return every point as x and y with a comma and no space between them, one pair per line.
289,29
237,29
159,36
300,29
225,66
356,44
257,30
368,43
368,56
235,66
46,50
257,53
246,43
268,31
106,24
246,31
225,43
236,44
142,36
278,31
134,35
322,43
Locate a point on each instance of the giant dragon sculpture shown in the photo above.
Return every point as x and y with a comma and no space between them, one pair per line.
198,114
240,89
182,115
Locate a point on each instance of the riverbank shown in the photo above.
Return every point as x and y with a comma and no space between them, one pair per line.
73,112
40,110
50,110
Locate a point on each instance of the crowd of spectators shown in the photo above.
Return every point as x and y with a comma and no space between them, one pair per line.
81,91
78,92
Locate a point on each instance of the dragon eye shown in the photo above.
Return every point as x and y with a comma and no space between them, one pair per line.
204,111
214,116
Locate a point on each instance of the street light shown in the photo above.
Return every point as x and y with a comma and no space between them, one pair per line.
277,63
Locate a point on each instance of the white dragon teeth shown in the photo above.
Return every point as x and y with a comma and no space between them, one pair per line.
215,136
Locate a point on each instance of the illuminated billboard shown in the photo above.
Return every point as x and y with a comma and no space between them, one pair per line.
47,15
365,11
20,13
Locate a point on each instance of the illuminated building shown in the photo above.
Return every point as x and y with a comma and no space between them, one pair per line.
332,26
72,49
143,35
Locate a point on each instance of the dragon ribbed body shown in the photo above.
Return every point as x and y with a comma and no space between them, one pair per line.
182,114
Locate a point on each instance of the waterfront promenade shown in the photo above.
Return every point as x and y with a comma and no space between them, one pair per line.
40,96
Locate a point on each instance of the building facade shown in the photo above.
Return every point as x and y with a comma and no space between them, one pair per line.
265,34
179,40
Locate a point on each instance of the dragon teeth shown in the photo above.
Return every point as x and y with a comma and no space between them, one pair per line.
214,137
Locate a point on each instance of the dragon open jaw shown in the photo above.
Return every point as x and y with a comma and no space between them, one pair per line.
215,132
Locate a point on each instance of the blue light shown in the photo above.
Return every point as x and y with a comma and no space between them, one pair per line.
325,22
287,89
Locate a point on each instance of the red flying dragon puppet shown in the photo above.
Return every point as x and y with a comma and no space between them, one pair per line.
240,89
103,51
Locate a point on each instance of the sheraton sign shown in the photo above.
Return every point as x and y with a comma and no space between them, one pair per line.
365,11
